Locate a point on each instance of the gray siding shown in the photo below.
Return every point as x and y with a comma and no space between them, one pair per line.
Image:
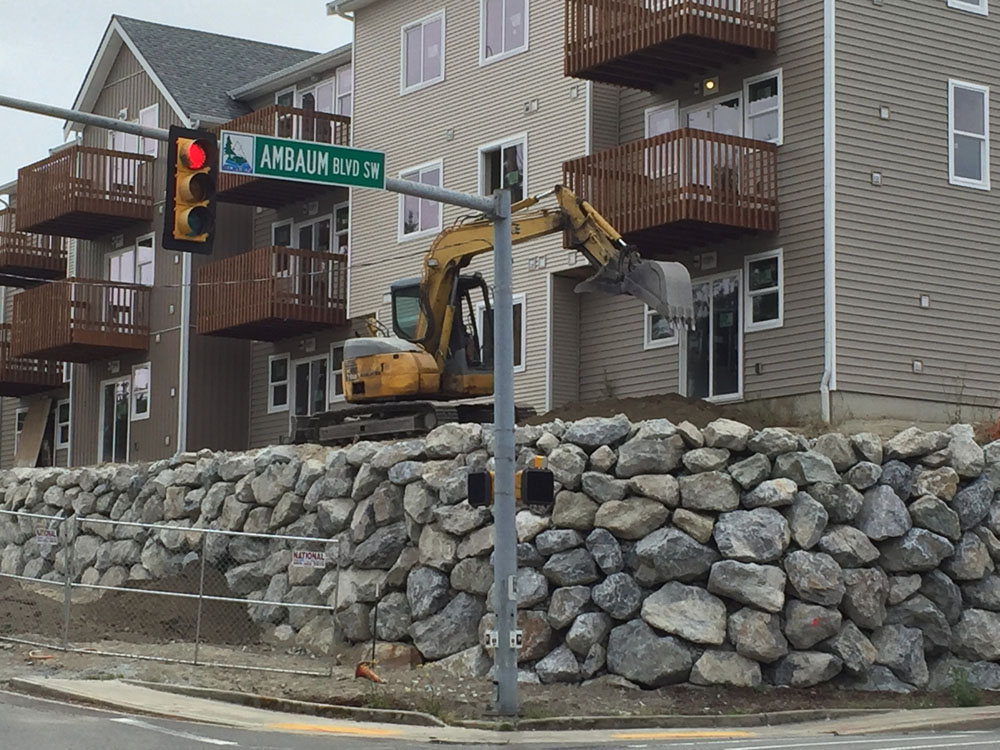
916,234
605,116
564,353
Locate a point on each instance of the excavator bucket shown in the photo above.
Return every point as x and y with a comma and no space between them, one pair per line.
664,286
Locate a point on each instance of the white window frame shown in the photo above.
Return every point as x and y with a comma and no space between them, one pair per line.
152,270
648,342
312,88
675,106
682,352
333,376
134,391
311,221
979,7
60,445
748,324
67,372
283,92
517,299
150,146
17,430
402,236
747,82
489,60
273,408
295,363
339,94
290,223
342,232
403,88
100,422
520,138
984,183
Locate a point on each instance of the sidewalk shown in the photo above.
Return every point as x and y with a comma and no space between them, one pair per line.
140,699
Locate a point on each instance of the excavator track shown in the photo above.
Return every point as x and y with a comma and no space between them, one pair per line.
348,423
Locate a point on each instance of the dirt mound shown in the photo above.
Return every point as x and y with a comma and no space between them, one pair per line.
670,406
130,616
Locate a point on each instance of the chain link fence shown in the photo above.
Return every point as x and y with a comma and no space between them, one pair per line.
169,592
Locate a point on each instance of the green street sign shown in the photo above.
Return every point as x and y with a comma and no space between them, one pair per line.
300,161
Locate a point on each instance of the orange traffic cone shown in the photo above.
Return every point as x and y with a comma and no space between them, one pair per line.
364,669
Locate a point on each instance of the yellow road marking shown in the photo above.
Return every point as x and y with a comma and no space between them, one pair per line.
337,729
685,735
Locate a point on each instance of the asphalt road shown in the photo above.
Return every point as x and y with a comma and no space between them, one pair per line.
32,723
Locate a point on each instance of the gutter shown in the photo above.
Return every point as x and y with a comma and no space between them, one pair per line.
829,381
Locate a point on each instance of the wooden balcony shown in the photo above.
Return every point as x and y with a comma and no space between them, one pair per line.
681,189
272,293
647,43
28,259
23,376
281,122
85,192
80,320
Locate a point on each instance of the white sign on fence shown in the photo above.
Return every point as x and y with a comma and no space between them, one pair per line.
302,558
46,536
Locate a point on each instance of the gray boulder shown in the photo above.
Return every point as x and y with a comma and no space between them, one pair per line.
761,586
567,464
560,665
603,459
802,669
633,518
970,561
751,471
864,475
848,546
807,520
574,510
815,576
759,535
691,434
588,629
636,653
687,611
606,551
572,568
462,519
426,591
902,588
902,650
725,668
972,504
853,648
934,515
602,488
711,491
706,459
883,515
670,555
838,449
917,551
899,476
660,487
842,501
867,591
880,679
276,480
983,594
942,483
557,540
450,440
773,441
806,467
593,432
913,443
869,445
727,433
976,635
334,515
474,575
809,624
618,595
966,457
394,618
437,548
566,603
453,629
772,493
649,456
757,635
698,526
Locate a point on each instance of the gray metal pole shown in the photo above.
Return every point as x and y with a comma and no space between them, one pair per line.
201,598
84,118
505,531
442,195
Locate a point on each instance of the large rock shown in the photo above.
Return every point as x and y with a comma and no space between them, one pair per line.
853,648
560,665
966,457
380,550
883,515
691,434
593,432
572,568
479,542
725,668
706,459
426,591
838,449
437,548
902,650
566,603
557,540
602,488
880,679
945,594
392,453
670,555
419,502
921,613
531,586
687,611
977,635
726,433
606,551
633,518
288,510
451,630
529,525
972,504
761,586
660,487
536,633
567,464
983,594
461,519
649,456
450,440
902,588
588,629
847,545
759,535
970,561
864,475
809,624
276,480
394,617
636,653
867,590
816,577
603,459
774,441
806,467
934,515
757,635
334,515
772,493
618,595
899,476
711,490
473,575
807,520
918,551
942,483
868,445
801,669
696,525
913,443
751,471
842,501
574,510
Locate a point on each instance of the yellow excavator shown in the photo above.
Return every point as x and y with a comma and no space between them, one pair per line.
437,364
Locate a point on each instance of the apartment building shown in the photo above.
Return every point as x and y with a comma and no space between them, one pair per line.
822,169
112,348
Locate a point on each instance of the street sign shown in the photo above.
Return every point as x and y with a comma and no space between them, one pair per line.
306,559
300,161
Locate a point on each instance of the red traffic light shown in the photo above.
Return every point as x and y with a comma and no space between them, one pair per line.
195,155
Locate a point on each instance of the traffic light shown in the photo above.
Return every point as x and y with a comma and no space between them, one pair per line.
531,487
192,173
480,485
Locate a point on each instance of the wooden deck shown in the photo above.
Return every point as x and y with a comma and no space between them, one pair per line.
22,376
80,320
647,43
272,293
28,259
85,192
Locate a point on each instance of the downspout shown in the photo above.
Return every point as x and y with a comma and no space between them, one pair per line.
829,381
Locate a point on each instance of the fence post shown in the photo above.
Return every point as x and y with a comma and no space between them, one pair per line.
70,543
201,597
336,604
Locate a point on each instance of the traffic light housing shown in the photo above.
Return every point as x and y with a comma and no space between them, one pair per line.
192,176
531,487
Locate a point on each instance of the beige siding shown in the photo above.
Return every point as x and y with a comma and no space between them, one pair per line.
916,234
475,105
790,358
605,116
564,354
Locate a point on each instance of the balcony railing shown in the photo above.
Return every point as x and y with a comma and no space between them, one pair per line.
23,376
80,320
646,43
85,192
272,293
688,186
281,122
28,259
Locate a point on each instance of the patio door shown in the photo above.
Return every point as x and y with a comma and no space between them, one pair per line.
115,400
714,164
712,355
310,379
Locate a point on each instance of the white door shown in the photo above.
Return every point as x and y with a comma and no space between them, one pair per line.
712,353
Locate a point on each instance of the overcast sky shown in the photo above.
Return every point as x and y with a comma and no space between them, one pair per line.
47,46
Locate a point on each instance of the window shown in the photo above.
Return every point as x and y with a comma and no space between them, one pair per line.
502,165
504,28
519,329
140,391
345,90
973,6
341,228
114,425
763,115
67,372
277,383
423,52
144,259
285,98
662,158
62,424
418,216
281,234
150,117
336,372
19,416
133,265
969,135
311,389
765,299
657,331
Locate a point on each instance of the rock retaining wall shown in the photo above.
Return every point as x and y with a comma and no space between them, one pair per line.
672,554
